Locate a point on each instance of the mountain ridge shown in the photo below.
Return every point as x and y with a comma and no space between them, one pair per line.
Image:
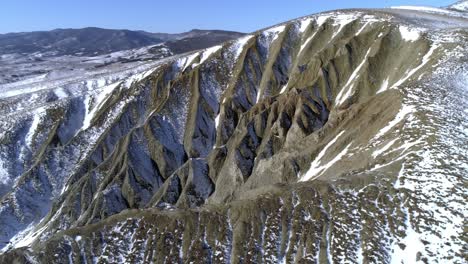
320,139
66,52
89,39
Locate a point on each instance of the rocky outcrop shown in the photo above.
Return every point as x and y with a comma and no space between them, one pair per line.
312,141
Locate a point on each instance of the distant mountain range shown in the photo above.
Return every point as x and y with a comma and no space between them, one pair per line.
94,41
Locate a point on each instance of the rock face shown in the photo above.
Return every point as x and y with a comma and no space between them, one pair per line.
338,137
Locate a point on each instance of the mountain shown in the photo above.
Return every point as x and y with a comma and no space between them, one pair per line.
200,39
337,137
25,56
93,41
460,6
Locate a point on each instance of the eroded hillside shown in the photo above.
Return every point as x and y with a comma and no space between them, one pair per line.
338,137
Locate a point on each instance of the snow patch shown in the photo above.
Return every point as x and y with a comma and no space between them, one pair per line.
217,121
25,238
61,93
463,6
259,95
383,87
409,34
37,116
321,19
307,42
283,89
426,58
341,21
422,9
362,28
4,179
368,20
238,46
404,111
316,169
413,245
189,59
274,32
207,53
305,24
348,87
384,148
98,102
135,78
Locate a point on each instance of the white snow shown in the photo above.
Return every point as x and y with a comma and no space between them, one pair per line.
435,175
274,32
426,58
413,245
70,256
98,102
316,169
461,6
304,24
189,59
368,20
134,78
25,238
238,46
37,115
10,93
383,87
259,95
283,89
404,111
87,119
348,87
4,179
409,34
423,9
321,19
378,152
307,42
61,93
342,20
362,28
407,145
207,53
217,121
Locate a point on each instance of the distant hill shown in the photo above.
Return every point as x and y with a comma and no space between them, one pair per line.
200,39
93,41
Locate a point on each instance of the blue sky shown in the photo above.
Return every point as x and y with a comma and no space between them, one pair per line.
173,15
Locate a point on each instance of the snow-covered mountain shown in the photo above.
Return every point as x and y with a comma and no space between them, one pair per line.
460,6
94,41
337,137
31,55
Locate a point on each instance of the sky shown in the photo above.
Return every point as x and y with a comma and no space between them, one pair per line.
172,16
